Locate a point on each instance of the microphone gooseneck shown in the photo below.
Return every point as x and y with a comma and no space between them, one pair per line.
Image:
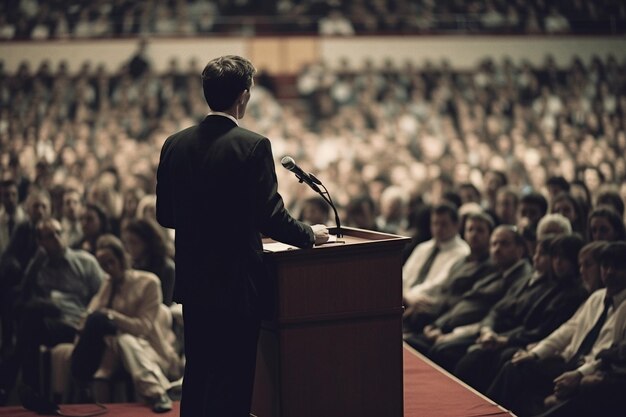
310,179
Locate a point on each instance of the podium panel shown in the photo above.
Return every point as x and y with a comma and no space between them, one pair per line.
334,347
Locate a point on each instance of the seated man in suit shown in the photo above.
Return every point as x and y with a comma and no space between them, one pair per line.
557,364
541,303
430,262
599,394
462,276
508,254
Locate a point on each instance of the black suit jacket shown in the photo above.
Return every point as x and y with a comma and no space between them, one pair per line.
533,311
216,185
486,292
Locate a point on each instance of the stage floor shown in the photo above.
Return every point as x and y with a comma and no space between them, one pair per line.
429,391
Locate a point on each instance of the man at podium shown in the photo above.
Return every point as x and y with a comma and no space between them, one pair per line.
216,185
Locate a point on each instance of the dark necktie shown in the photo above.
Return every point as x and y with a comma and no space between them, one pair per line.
592,336
421,276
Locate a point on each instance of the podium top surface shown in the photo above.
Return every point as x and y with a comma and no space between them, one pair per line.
351,238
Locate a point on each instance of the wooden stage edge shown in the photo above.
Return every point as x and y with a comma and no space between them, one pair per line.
474,403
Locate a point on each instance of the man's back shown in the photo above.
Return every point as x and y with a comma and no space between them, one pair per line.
216,185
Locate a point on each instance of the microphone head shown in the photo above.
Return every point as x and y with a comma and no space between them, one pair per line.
288,162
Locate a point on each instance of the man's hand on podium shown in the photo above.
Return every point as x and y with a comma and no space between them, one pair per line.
321,233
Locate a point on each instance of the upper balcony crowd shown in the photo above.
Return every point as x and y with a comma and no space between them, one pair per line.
63,19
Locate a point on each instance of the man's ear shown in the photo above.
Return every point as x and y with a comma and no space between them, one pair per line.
242,97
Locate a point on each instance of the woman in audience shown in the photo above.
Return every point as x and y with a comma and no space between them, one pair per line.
131,198
95,223
605,224
568,206
128,323
147,248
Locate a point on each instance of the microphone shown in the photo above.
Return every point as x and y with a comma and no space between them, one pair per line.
312,182
309,179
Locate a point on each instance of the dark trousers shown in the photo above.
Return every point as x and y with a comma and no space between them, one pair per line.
220,352
10,280
523,387
479,367
448,354
605,399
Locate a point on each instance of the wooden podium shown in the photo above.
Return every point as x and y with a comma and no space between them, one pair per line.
334,347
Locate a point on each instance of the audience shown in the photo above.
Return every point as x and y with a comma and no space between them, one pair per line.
390,143
73,208
540,304
506,208
125,18
553,224
567,205
147,248
440,340
11,212
58,284
461,278
127,323
15,259
94,223
588,261
605,224
552,370
430,262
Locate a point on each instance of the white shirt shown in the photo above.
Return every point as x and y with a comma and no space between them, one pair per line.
219,113
449,253
566,339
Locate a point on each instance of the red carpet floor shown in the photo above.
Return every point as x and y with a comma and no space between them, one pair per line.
428,392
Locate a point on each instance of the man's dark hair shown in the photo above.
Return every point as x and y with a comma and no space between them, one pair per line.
559,182
447,208
223,80
8,183
536,199
504,180
567,246
613,255
319,202
472,187
102,216
452,198
612,199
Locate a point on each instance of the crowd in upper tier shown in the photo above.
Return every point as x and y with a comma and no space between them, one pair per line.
61,19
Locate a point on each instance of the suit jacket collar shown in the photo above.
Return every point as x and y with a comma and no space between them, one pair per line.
222,114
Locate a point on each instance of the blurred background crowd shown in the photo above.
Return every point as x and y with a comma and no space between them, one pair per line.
59,19
420,129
